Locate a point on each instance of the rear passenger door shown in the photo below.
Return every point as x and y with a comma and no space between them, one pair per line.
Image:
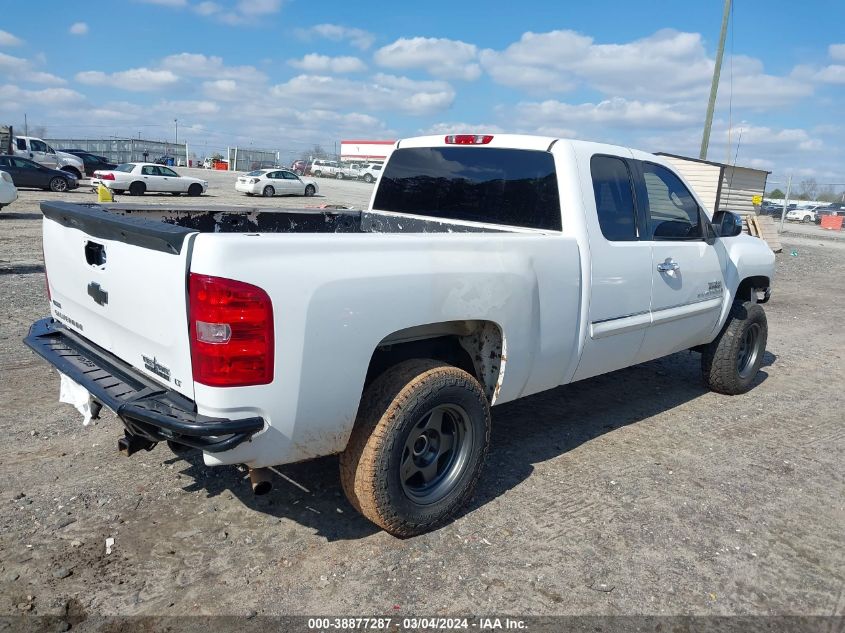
620,273
688,264
152,179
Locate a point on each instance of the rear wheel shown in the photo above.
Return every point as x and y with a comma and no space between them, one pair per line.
339,176
318,173
119,192
137,189
310,190
368,178
58,184
195,190
175,193
805,219
268,192
730,363
418,446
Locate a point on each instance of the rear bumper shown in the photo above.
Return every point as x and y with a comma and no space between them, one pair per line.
146,408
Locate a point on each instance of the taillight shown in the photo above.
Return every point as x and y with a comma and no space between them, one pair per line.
107,177
469,139
231,329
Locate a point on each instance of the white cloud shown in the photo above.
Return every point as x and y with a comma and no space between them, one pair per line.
837,52
315,63
134,79
611,112
445,58
7,39
199,65
666,63
259,7
207,8
462,128
22,70
78,28
359,38
11,95
380,92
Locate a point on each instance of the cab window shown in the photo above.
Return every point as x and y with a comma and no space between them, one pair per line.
613,190
672,211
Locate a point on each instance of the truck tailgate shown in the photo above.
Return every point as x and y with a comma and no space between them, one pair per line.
121,282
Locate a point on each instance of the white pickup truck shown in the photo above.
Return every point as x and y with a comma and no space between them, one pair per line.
42,153
487,268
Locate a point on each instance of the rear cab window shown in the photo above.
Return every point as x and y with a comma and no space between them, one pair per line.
514,187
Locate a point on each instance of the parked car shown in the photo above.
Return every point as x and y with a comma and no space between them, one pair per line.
91,162
837,208
8,191
299,167
43,154
165,160
370,173
28,173
386,335
770,208
275,182
804,215
139,178
321,168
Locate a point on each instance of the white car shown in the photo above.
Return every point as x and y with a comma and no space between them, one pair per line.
139,178
370,173
801,215
8,191
275,182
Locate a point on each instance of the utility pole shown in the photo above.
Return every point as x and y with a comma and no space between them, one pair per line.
25,125
785,203
176,121
714,86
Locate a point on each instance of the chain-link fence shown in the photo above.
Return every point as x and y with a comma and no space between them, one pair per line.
125,150
249,158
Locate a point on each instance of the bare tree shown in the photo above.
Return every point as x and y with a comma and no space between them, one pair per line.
809,189
827,194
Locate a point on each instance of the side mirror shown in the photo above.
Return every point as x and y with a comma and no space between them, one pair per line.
726,224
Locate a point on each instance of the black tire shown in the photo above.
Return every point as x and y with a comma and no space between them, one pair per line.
74,171
58,184
310,190
805,219
318,173
268,192
339,176
368,178
195,190
175,193
137,189
388,440
119,192
730,363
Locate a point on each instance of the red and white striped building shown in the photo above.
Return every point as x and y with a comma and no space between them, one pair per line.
365,151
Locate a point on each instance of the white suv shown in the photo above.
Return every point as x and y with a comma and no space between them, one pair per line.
322,167
370,173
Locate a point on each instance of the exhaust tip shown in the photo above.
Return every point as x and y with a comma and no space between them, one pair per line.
261,480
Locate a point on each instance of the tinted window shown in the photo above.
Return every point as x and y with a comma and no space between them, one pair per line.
256,173
22,163
612,188
479,184
37,146
149,170
673,212
4,162
21,143
164,171
125,167
289,176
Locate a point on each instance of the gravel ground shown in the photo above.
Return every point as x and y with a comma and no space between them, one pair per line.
637,492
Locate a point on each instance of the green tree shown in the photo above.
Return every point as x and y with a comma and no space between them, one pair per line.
776,194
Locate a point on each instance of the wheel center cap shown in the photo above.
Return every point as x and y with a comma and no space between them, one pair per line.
420,445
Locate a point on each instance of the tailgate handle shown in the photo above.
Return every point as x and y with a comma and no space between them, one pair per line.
95,254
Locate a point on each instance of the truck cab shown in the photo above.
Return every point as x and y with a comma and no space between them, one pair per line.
42,153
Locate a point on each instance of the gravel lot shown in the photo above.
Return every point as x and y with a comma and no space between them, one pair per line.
633,493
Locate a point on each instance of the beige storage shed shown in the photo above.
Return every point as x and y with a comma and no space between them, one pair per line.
721,187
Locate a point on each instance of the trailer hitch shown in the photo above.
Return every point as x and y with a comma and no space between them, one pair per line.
130,444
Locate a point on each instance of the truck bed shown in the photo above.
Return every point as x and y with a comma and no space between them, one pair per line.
126,218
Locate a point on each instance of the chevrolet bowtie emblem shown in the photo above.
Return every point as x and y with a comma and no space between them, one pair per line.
98,294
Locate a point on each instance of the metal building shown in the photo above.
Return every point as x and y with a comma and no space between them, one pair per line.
124,150
366,151
722,187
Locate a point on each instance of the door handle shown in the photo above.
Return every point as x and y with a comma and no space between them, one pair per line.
669,266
